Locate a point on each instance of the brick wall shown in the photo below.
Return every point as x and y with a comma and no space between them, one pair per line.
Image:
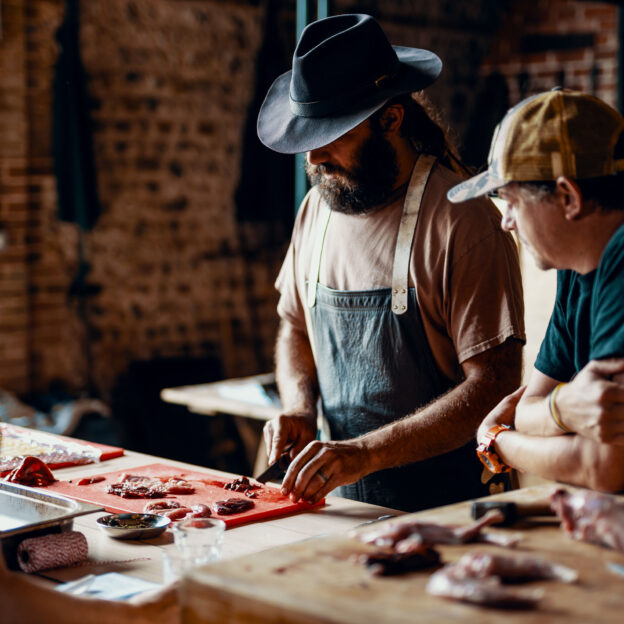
14,307
531,24
459,32
170,83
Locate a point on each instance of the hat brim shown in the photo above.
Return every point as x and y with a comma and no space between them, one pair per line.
476,186
283,131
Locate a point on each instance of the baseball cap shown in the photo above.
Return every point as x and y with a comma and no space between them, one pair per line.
559,132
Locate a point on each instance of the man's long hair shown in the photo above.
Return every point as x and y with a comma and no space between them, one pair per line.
423,126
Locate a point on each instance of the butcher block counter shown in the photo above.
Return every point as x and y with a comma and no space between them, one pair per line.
317,581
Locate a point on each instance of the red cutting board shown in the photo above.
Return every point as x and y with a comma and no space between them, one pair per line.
208,489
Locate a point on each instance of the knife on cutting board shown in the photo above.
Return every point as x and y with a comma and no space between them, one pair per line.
277,470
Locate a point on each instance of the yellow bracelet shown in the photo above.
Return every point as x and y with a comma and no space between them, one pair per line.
553,408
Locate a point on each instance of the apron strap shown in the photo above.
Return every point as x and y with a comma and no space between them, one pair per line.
315,264
322,426
407,228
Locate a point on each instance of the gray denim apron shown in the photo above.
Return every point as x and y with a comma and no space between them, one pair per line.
375,366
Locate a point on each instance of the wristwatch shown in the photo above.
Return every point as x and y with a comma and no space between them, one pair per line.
488,456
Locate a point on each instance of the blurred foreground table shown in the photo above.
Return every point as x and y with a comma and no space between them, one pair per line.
319,581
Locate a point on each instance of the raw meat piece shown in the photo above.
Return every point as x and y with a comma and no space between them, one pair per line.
241,484
512,566
174,511
133,489
590,516
176,514
32,472
137,486
174,485
488,592
232,506
407,536
90,480
160,506
200,511
128,477
383,563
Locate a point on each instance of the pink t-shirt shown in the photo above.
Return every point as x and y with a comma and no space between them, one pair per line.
465,268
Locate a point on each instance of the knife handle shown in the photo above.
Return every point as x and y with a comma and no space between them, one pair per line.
284,461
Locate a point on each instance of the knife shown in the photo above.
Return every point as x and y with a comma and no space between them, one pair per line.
277,470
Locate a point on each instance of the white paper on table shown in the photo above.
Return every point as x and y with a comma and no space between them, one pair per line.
250,393
110,586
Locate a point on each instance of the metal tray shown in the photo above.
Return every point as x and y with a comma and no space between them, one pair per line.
26,512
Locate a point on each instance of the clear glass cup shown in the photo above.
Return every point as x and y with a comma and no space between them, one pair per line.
197,541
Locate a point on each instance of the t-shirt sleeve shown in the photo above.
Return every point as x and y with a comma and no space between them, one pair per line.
607,310
289,306
288,282
485,295
556,355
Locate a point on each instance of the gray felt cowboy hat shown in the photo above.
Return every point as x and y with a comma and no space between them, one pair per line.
344,69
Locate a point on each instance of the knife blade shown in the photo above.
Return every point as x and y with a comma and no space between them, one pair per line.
277,469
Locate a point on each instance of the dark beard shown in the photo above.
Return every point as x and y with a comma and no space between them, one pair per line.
367,186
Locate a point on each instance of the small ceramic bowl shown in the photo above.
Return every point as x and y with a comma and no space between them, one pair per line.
133,525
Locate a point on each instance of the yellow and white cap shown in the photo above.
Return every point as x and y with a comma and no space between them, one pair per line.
559,132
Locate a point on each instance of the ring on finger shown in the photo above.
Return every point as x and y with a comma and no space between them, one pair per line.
321,474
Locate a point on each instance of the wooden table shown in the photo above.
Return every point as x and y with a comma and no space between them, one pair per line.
316,582
243,398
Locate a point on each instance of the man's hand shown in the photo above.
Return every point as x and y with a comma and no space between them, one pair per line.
503,414
294,429
592,404
324,466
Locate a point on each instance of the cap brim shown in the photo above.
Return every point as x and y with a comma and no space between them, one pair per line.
476,186
283,131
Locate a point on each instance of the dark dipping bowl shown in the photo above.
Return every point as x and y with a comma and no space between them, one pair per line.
133,525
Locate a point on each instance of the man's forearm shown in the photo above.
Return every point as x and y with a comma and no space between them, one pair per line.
591,405
571,459
442,426
451,420
533,417
295,370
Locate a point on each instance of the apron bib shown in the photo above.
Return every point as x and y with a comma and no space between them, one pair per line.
374,366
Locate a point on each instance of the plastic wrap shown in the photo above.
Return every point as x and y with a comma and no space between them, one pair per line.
17,443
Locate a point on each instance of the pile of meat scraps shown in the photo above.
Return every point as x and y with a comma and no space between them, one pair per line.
412,537
478,577
408,546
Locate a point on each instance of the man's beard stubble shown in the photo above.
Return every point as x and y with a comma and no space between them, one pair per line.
369,185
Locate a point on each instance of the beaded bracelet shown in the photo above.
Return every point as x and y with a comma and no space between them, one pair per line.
554,412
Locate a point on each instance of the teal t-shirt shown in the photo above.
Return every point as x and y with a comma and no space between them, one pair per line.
587,322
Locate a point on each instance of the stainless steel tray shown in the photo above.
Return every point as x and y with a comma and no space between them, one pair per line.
26,512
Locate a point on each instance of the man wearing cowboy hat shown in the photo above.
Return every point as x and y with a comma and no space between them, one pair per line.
557,161
401,311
